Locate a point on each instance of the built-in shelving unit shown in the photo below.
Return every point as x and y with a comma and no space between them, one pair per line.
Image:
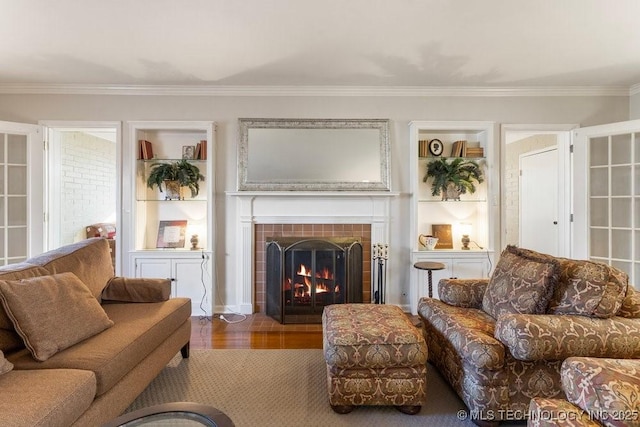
149,208
474,214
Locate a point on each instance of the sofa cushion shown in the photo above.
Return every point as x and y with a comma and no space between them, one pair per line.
45,397
608,389
52,313
522,282
546,337
468,330
89,259
5,365
138,330
9,338
630,304
588,288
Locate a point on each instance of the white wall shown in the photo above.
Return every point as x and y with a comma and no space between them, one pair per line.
400,110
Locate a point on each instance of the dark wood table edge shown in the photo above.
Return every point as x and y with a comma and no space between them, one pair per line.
209,413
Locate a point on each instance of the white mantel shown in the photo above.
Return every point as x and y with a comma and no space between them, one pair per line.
299,207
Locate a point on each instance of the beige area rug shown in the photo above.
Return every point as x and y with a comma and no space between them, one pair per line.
283,388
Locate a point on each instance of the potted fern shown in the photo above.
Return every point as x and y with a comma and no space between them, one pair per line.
452,177
174,176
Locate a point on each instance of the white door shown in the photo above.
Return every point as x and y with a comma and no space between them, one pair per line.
21,195
539,201
606,202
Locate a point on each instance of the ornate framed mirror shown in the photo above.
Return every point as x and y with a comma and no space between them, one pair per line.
313,155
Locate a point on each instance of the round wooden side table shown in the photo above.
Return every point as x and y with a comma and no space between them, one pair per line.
429,266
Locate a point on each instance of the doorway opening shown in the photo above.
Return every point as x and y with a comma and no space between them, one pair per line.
551,219
82,183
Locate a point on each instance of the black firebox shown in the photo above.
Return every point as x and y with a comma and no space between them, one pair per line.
303,275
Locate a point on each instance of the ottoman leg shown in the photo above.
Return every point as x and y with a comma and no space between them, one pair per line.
409,409
342,409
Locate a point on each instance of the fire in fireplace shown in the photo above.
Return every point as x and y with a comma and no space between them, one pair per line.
303,275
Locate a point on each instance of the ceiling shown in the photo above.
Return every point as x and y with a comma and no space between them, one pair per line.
354,43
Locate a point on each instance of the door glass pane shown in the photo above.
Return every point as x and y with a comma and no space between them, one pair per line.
17,211
1,179
18,242
624,266
636,217
17,145
636,174
3,136
18,180
599,151
599,212
621,213
2,234
621,244
636,277
599,182
621,149
637,146
599,242
621,181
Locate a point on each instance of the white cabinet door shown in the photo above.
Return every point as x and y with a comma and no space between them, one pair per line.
191,277
470,268
154,268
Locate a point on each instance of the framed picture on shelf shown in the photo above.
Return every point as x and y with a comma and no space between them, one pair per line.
443,233
188,152
171,234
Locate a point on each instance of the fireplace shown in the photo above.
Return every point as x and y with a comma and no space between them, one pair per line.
303,275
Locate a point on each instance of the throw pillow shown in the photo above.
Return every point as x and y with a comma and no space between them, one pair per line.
522,282
5,365
52,313
588,288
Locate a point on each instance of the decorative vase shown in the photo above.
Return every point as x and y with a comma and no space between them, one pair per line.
172,190
452,192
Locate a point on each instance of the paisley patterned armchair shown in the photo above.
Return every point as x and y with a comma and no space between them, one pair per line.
500,342
599,392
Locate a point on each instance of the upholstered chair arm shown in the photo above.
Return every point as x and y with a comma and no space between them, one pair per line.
532,337
462,292
470,332
630,304
544,412
125,289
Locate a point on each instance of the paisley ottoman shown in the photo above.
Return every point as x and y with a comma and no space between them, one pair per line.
374,356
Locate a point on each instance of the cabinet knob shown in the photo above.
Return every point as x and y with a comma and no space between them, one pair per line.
171,279
555,222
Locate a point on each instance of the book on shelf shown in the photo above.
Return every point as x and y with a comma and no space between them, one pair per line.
197,152
475,152
146,149
423,148
459,149
203,150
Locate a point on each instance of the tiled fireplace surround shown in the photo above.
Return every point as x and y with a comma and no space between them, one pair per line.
302,214
264,231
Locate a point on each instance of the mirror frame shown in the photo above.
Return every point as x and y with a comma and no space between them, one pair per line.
383,148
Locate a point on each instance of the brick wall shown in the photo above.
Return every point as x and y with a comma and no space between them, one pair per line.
88,182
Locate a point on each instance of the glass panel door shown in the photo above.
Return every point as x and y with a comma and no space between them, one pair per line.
21,214
607,196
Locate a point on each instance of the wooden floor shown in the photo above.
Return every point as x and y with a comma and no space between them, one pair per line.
254,331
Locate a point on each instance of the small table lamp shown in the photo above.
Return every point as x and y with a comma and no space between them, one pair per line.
465,229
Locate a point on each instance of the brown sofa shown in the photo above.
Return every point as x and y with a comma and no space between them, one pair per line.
79,344
500,342
599,392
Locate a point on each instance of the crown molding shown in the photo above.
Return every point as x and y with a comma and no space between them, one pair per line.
265,90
